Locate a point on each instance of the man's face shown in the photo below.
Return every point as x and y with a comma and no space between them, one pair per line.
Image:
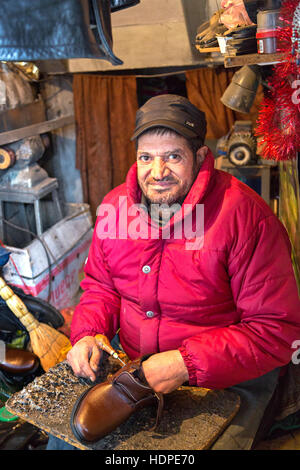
166,167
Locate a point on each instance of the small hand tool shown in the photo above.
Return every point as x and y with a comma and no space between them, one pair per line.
106,346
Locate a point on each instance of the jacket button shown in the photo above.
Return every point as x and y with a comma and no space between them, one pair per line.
150,314
146,269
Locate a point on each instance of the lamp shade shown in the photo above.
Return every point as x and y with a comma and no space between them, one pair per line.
241,92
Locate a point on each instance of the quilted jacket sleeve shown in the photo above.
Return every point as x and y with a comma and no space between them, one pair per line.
267,301
99,307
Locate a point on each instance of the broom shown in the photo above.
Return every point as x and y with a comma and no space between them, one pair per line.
47,343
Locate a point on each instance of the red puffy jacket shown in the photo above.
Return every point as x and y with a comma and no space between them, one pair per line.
231,306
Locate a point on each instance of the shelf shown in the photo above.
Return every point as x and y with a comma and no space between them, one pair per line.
34,129
251,59
244,59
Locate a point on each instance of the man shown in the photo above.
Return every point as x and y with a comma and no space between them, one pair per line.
217,306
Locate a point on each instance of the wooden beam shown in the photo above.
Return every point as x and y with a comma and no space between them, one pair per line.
22,116
35,129
251,59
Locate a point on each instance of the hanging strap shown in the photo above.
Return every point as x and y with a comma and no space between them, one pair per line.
99,23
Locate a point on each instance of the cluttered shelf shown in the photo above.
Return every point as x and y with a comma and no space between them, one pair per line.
242,36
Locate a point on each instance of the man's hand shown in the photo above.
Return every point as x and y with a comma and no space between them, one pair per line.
84,357
165,371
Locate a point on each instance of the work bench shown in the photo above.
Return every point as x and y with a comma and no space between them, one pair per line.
192,417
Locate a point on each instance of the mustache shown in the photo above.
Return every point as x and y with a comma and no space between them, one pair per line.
167,179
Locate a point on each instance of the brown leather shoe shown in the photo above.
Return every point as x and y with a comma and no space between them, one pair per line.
19,362
104,407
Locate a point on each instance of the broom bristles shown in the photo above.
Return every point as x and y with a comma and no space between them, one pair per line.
48,344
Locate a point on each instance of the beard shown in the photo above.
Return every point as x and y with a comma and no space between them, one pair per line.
175,195
167,197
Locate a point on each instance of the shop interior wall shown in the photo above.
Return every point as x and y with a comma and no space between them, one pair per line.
59,159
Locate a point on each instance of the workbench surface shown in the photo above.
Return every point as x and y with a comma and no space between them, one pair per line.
192,418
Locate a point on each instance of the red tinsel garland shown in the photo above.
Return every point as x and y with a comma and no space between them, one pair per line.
278,122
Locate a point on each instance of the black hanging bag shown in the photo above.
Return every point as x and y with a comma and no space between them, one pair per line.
33,30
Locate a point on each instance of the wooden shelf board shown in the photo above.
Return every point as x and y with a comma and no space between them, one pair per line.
250,59
34,129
